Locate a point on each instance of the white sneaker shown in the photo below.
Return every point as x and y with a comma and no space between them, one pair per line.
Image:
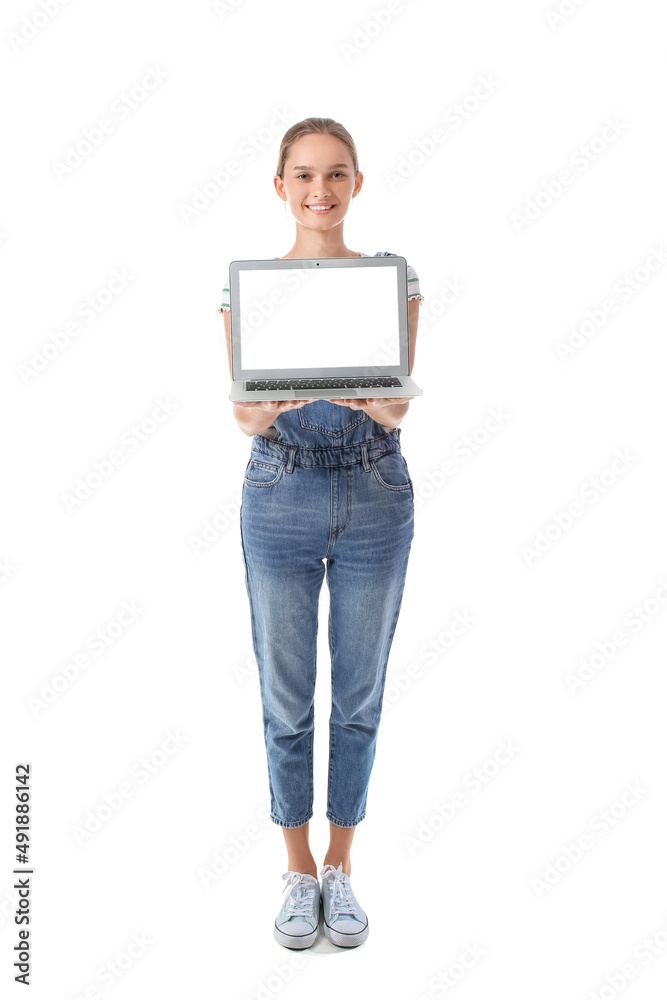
345,923
297,924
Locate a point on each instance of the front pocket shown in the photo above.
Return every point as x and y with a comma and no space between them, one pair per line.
391,471
263,473
329,418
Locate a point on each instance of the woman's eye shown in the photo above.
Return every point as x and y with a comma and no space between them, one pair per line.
338,173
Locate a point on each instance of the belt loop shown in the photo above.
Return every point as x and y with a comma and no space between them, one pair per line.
364,456
290,462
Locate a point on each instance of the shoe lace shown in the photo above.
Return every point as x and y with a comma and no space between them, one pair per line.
300,900
340,891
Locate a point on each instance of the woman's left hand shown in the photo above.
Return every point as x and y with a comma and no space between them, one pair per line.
362,404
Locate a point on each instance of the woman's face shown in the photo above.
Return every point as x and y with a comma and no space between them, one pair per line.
318,172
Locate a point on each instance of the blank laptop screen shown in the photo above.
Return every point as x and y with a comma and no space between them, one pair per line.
318,318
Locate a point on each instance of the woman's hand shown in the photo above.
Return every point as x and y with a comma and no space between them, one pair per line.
274,406
362,404
257,417
387,412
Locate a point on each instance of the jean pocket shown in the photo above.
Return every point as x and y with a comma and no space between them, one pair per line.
261,472
329,418
391,471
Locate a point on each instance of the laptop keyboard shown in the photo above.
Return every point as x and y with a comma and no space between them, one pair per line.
371,382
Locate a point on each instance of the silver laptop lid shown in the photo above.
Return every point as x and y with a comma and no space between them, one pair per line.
319,317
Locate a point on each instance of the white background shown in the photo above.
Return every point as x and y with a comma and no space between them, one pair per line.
184,664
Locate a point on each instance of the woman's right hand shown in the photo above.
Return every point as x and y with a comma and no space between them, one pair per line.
273,406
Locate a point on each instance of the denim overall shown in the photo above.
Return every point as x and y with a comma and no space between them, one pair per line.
332,487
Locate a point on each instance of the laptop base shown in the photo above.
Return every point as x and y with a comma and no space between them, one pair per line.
407,389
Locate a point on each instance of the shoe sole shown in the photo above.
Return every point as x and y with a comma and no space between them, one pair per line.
345,940
290,941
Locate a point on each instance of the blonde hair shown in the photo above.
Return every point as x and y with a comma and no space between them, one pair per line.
325,126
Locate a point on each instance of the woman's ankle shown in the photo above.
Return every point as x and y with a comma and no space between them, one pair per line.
304,865
335,860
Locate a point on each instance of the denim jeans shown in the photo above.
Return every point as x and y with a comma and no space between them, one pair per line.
332,487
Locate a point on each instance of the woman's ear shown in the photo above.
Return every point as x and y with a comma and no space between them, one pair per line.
280,187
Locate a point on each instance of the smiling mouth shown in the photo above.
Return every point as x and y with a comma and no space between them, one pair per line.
320,209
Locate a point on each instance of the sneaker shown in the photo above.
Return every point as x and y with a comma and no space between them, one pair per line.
297,924
345,923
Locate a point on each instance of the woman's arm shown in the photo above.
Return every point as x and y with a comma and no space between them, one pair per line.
250,418
390,412
256,418
413,323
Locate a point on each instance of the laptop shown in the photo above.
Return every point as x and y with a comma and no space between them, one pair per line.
320,328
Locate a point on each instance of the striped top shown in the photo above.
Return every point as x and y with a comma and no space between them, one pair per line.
413,284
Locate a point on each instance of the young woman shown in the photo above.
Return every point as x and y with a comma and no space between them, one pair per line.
326,482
